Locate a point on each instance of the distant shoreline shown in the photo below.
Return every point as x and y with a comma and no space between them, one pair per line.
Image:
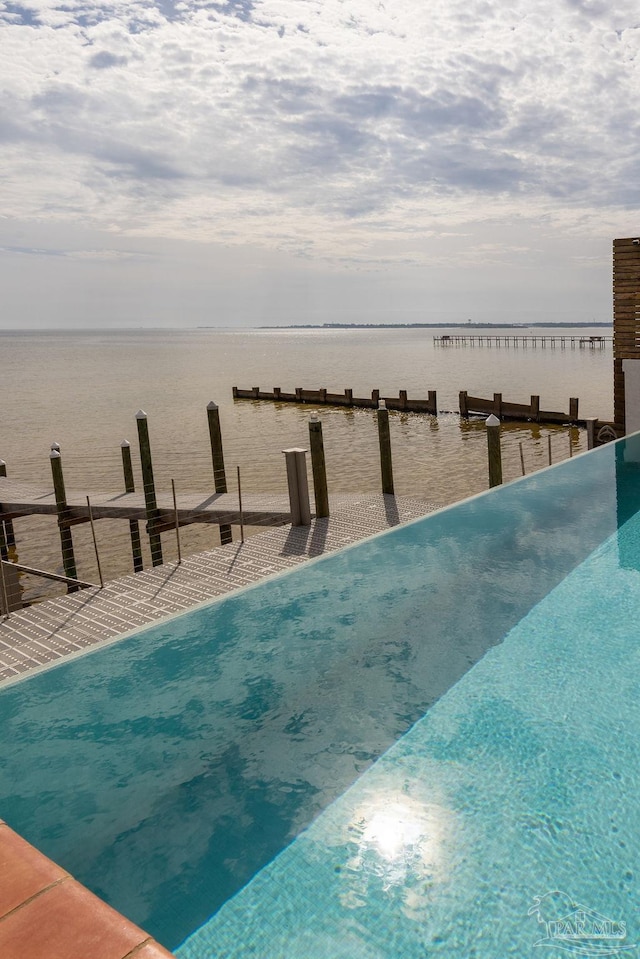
433,326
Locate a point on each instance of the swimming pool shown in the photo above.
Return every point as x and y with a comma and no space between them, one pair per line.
171,772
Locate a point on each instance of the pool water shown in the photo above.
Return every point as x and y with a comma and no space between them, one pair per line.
523,780
172,771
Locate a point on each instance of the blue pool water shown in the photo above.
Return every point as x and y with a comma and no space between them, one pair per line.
172,771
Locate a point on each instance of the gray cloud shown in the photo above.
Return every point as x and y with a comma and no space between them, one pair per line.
103,60
318,129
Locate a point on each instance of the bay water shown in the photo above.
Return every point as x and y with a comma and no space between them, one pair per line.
82,390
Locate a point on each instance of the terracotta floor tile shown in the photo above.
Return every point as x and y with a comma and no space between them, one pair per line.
23,870
152,950
67,922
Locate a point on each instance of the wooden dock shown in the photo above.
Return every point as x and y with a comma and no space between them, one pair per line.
17,499
468,405
323,397
504,410
42,634
528,340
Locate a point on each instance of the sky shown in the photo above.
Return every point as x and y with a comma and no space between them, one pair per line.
181,163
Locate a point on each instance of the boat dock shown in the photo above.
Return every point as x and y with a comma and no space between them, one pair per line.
39,635
468,405
18,499
323,397
524,341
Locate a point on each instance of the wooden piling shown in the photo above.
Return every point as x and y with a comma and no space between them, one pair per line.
95,543
176,520
217,458
130,487
149,488
296,463
462,402
573,408
494,451
535,408
10,536
318,467
384,437
66,541
4,552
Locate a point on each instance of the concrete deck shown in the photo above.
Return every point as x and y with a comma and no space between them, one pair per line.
47,631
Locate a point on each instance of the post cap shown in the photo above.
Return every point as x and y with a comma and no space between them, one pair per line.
125,443
314,418
54,455
492,420
212,405
295,449
141,415
55,446
382,404
2,463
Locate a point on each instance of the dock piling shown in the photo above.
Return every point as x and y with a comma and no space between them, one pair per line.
130,487
217,457
148,483
493,450
240,506
176,521
66,540
296,463
318,467
95,543
10,536
384,437
535,408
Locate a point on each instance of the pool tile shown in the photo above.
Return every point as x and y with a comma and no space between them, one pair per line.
24,871
67,922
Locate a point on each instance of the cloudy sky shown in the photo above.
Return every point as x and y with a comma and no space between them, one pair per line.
189,162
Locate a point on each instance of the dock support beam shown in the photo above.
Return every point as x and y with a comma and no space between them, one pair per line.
318,467
296,462
493,449
130,487
8,524
149,488
384,437
66,541
217,457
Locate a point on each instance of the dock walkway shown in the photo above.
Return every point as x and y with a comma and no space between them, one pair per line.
19,499
45,632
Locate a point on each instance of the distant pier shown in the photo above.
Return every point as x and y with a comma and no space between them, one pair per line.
524,341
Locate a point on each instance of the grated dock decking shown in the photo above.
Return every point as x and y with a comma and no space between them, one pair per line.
47,631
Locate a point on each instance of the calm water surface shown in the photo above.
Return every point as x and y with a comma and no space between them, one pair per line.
83,390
